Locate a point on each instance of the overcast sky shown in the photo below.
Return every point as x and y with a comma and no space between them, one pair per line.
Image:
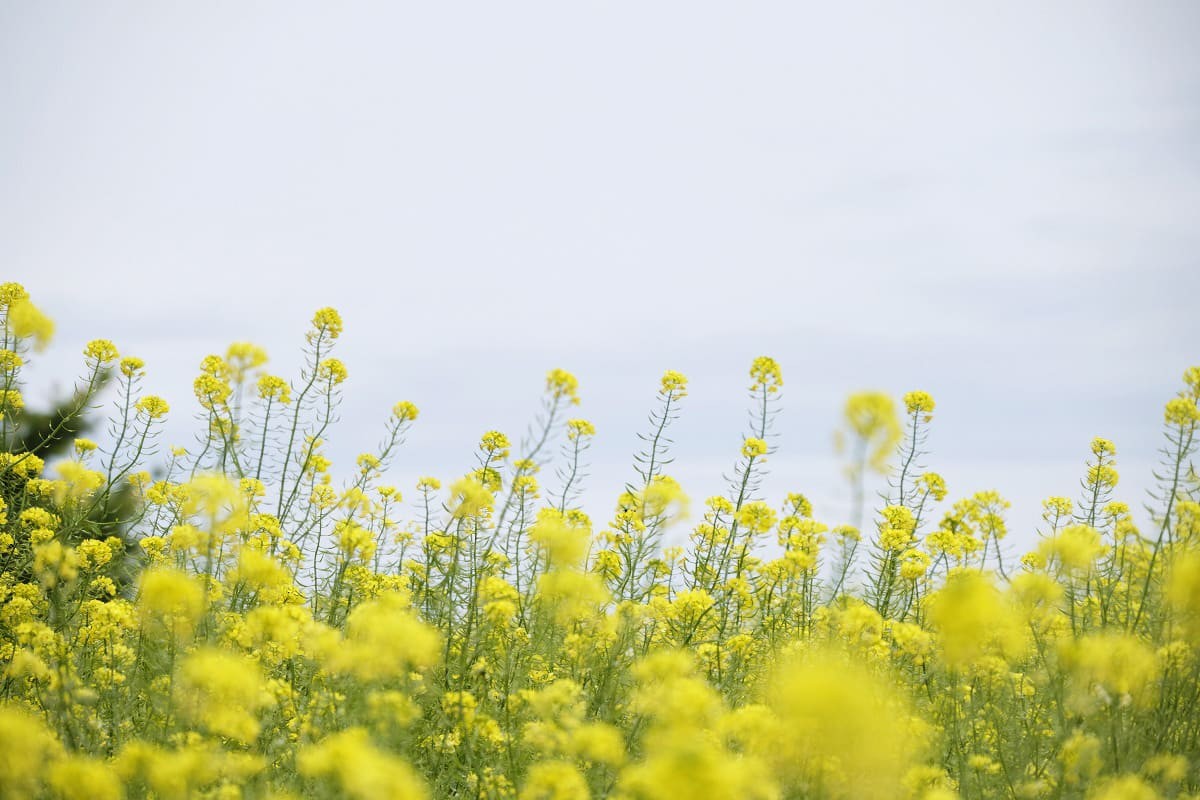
996,203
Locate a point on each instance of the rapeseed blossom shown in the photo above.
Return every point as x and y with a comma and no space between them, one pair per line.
248,618
871,421
222,692
359,768
840,728
26,321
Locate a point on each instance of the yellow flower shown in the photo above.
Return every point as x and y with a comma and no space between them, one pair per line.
847,533
554,780
1169,768
490,477
756,516
170,598
259,572
428,484
94,553
327,320
10,360
765,375
571,594
972,620
332,370
470,498
1057,507
214,366
981,763
1081,758
871,417
355,540
275,389
839,727
11,292
360,769
933,484
323,497
1182,411
385,640
1126,787
81,778
26,321
1191,378
78,482
1114,668
494,443
563,543
1183,589
404,411
54,563
754,448
252,487
223,692
211,493
897,528
579,427
102,351
663,495
36,517
132,366
11,398
26,748
683,755
1075,547
1103,475
674,384
210,390
243,357
562,384
919,403
913,564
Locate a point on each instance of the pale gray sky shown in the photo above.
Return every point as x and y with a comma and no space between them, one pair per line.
994,202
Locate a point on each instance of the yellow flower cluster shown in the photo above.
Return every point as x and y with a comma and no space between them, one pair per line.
22,318
766,376
562,384
246,619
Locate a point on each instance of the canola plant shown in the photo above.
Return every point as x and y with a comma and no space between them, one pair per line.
231,620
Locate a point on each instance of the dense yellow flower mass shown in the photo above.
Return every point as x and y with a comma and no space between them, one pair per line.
23,319
245,618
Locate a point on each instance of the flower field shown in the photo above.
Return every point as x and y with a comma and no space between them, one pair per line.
243,618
